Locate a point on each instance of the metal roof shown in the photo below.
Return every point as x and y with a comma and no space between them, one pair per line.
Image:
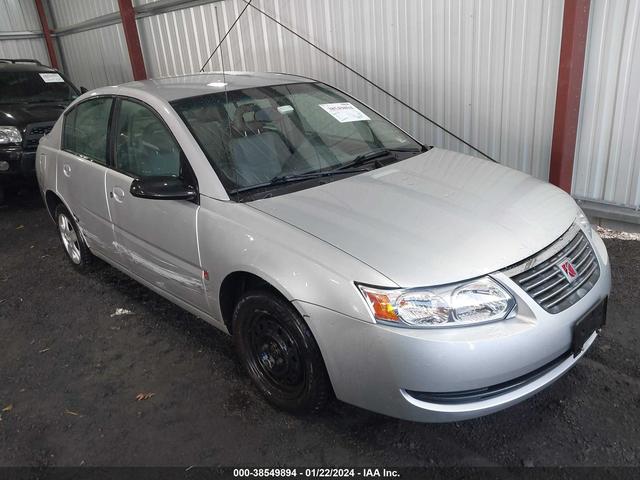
174,88
26,66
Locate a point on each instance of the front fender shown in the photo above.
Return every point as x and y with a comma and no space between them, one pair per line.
235,237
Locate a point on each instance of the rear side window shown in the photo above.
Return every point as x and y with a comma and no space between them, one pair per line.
85,129
144,145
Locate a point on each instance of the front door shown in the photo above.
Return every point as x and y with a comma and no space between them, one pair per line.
155,239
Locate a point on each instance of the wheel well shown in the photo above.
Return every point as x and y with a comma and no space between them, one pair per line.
52,201
234,286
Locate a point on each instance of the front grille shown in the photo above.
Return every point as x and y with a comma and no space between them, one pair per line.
545,281
34,132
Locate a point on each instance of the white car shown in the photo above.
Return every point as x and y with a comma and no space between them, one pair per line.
343,256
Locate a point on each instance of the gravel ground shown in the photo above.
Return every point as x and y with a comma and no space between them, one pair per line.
70,372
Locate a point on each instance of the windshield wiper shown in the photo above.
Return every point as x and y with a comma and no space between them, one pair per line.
373,154
299,177
325,173
354,166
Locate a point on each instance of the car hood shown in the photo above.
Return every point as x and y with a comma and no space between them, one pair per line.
432,219
21,114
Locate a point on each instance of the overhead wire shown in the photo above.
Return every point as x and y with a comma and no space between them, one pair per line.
351,69
226,34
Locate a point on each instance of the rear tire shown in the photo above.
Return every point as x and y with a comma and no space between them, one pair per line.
75,248
279,353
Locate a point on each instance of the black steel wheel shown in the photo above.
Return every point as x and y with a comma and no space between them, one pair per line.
279,353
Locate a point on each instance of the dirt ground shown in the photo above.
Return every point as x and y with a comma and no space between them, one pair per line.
70,372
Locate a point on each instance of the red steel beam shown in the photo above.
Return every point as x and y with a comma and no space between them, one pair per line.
48,39
565,127
128,16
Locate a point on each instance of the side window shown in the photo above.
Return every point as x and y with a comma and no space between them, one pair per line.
85,129
144,146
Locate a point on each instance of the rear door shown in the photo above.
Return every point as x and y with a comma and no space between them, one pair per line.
155,239
81,170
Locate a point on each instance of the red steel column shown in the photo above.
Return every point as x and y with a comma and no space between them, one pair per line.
128,15
48,39
565,128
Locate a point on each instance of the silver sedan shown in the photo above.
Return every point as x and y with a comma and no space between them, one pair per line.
344,257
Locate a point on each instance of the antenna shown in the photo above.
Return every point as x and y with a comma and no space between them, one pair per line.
226,34
361,76
351,69
224,77
224,80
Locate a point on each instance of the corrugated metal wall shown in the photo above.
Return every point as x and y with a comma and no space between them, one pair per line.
95,57
20,16
486,69
24,48
71,12
607,162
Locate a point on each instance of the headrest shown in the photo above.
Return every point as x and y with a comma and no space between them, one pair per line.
155,136
269,114
208,113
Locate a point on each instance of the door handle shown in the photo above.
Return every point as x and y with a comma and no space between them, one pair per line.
117,194
66,169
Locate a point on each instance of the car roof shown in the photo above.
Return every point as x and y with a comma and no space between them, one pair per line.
26,66
174,88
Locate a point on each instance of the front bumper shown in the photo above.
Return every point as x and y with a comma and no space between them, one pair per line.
21,163
375,366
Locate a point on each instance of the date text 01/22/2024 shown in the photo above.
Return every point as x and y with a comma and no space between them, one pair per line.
316,472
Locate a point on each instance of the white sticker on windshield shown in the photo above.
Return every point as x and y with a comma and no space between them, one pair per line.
51,78
344,112
284,109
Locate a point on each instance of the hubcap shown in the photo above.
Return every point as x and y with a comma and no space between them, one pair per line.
69,238
275,355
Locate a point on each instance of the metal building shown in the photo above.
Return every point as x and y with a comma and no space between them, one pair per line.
511,77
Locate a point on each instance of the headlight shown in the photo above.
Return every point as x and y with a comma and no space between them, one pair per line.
479,301
583,221
10,135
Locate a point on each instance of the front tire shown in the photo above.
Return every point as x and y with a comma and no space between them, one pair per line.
279,353
75,248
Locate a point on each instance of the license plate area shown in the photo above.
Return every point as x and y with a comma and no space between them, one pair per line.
584,328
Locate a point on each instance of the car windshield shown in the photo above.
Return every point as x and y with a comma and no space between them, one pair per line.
271,137
34,87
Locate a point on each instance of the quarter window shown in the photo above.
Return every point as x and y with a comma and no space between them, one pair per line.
144,145
85,129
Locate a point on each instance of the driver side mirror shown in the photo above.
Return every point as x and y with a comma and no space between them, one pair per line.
83,90
163,188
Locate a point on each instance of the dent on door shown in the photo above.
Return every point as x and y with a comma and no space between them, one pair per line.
156,240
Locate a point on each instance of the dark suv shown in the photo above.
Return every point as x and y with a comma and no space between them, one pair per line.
32,97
